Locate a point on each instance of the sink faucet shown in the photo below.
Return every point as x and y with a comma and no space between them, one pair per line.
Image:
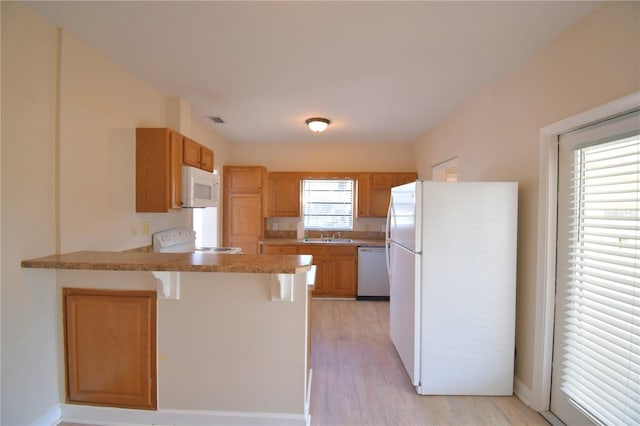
338,234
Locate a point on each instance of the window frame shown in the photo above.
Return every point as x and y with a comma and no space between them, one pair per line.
353,181
538,395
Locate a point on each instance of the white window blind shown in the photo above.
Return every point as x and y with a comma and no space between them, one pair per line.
601,357
328,204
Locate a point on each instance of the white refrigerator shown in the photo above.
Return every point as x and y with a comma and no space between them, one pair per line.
451,257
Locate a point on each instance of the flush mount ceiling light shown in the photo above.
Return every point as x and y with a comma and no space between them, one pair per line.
317,124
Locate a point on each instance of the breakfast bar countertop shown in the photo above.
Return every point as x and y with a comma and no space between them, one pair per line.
181,262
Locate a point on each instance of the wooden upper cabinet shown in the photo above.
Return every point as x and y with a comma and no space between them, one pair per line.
158,169
160,155
206,159
363,190
380,192
110,347
382,180
244,178
284,194
402,178
191,153
196,155
389,180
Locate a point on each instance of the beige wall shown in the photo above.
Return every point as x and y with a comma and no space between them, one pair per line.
495,134
100,107
68,177
325,156
29,302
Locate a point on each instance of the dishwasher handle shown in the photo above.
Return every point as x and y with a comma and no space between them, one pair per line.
370,249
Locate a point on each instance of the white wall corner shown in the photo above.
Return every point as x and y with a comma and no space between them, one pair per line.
179,115
88,414
50,418
523,392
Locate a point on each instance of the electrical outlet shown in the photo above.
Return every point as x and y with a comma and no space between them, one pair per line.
139,228
274,226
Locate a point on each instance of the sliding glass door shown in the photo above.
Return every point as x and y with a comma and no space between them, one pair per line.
596,358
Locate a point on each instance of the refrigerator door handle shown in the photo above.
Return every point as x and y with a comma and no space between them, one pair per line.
387,232
387,243
387,257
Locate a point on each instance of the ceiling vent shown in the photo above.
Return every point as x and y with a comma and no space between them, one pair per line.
217,120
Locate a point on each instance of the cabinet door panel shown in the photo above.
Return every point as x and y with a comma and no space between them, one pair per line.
158,170
241,178
284,195
176,169
364,195
110,341
206,159
243,221
246,211
380,199
343,282
323,268
382,180
402,178
191,153
323,275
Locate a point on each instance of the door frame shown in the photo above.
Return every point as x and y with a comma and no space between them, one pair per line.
538,397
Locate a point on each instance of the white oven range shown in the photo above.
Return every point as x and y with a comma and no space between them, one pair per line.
183,240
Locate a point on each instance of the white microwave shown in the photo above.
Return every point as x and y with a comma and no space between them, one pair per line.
199,188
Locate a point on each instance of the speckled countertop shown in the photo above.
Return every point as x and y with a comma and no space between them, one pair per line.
315,242
184,262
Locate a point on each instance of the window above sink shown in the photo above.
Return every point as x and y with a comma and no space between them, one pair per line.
327,204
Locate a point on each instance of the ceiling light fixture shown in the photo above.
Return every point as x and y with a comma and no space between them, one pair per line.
317,124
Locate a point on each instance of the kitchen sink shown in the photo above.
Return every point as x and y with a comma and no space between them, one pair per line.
329,240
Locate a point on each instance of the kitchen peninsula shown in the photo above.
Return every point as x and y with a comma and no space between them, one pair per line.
232,334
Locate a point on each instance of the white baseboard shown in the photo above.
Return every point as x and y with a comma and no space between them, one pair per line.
120,416
307,398
523,392
50,418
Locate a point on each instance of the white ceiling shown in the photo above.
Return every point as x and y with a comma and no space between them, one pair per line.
380,71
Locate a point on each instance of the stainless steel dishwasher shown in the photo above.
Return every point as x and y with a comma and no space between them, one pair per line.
373,278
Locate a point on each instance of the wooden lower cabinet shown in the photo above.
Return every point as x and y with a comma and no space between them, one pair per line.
110,347
343,274
336,269
279,249
336,266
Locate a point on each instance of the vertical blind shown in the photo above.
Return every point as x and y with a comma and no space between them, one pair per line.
328,204
601,357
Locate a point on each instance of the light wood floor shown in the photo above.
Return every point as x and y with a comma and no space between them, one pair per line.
358,378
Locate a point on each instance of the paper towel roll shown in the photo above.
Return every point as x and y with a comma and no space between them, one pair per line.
300,229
